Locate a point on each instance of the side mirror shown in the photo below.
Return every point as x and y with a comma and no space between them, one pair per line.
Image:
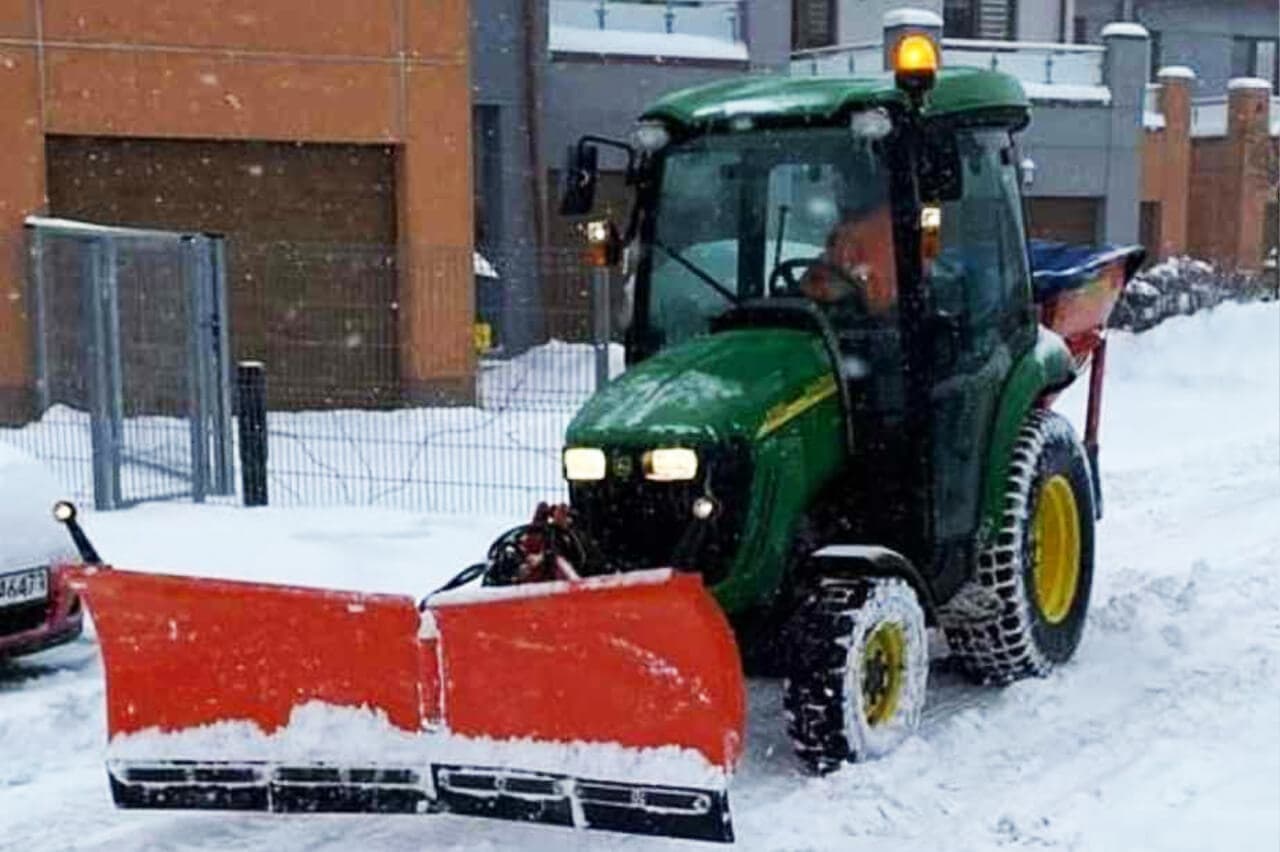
581,170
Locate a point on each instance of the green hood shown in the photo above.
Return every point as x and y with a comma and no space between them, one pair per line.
736,384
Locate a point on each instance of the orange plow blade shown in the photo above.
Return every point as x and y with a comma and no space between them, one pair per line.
613,702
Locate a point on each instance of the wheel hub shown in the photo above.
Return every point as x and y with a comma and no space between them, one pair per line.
1056,551
883,663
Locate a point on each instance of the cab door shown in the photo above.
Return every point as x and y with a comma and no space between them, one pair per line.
979,287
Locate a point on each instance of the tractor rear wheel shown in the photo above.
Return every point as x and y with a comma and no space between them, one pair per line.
858,670
1024,610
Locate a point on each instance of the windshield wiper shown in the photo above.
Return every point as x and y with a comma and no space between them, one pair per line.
701,273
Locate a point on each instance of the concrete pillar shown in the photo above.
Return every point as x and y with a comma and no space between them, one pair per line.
1176,83
1125,73
22,191
1248,122
767,29
903,22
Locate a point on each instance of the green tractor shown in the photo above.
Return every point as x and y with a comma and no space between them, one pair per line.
836,405
833,433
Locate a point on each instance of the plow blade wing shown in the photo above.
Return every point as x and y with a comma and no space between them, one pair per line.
614,703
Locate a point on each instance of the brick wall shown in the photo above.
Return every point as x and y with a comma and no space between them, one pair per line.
1231,185
1212,192
380,73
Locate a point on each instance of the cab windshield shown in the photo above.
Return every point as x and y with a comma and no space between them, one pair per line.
769,213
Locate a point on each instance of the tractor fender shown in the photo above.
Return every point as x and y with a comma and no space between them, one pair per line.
1046,367
867,560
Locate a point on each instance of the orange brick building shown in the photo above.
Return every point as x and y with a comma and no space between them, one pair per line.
290,127
1209,180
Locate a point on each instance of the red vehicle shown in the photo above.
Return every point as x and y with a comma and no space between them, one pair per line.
37,608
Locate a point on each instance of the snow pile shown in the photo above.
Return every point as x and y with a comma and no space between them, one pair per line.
361,737
1182,285
29,536
1193,387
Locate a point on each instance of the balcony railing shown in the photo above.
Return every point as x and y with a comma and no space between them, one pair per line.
838,60
711,29
1047,63
1038,63
1209,116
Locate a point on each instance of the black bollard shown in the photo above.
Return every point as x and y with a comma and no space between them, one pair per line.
251,415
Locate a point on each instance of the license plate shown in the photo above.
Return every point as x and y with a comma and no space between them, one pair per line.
24,587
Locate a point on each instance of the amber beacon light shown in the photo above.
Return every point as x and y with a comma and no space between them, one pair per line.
915,64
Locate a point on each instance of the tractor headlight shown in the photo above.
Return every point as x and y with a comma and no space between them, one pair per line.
671,464
584,464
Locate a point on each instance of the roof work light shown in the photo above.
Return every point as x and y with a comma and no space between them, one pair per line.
915,64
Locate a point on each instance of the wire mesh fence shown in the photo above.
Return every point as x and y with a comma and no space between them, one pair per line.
128,364
387,383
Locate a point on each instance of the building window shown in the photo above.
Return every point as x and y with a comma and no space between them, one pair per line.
987,19
1156,53
1256,57
960,19
1079,29
813,23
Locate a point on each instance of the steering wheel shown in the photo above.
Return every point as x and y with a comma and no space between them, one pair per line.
786,271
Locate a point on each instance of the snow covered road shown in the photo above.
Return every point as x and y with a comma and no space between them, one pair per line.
1163,733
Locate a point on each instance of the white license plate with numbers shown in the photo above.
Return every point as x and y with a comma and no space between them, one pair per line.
24,587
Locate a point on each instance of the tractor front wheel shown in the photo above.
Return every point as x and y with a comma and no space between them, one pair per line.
1024,610
858,670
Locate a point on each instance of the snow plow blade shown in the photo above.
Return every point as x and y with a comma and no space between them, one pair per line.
611,703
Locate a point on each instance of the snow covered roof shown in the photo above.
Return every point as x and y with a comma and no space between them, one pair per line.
910,17
1180,72
1248,83
1125,29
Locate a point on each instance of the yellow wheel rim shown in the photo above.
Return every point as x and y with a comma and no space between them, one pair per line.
883,664
1056,536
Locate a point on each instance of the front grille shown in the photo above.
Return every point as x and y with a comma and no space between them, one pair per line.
640,524
23,617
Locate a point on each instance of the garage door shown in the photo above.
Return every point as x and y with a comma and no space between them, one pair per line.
310,246
1069,220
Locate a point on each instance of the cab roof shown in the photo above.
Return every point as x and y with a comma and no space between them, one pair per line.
820,99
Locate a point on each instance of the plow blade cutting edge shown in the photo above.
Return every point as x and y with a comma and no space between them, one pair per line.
613,703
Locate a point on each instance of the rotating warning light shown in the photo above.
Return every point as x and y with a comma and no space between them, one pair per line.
915,63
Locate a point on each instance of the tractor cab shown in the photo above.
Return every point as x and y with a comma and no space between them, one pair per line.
881,220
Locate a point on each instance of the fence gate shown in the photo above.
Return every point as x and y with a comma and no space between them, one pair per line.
131,353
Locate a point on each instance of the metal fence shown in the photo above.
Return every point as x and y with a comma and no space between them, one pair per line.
370,398
129,361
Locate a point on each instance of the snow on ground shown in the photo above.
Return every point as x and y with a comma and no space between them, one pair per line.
502,454
1163,733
